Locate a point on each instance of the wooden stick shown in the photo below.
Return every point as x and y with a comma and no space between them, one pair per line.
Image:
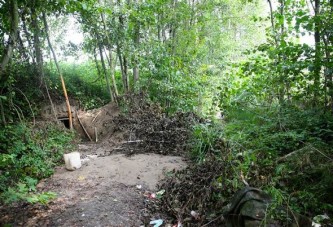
243,179
96,116
85,131
133,141
141,141
67,103
96,139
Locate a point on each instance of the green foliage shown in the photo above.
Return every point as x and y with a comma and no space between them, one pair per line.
183,71
26,192
82,82
28,154
294,147
278,104
18,100
286,151
207,141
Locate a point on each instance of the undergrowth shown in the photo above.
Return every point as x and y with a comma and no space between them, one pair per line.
28,154
290,151
207,139
286,151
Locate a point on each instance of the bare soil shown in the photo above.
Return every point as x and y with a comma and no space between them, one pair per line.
134,151
106,191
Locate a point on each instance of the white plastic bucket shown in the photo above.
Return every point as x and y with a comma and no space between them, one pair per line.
72,161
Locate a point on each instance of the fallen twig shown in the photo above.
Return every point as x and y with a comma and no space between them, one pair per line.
215,219
96,138
243,179
142,141
133,141
85,131
96,116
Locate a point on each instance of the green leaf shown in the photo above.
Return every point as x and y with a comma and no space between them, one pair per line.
84,6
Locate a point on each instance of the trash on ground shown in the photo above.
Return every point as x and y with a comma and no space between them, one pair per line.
72,161
159,194
157,222
194,214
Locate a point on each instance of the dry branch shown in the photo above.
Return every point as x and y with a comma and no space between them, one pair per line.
84,129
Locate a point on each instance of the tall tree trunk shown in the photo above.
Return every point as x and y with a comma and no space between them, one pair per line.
136,44
317,60
2,112
172,30
136,40
125,65
100,49
112,72
60,73
123,69
22,49
14,20
37,44
328,41
159,36
282,57
272,22
39,58
96,63
114,83
27,36
122,58
329,56
109,58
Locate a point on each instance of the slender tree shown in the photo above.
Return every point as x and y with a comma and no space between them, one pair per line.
14,20
318,55
70,119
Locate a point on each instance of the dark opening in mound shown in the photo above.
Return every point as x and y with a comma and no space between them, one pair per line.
65,121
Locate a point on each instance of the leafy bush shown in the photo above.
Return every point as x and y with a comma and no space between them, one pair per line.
288,150
28,154
26,191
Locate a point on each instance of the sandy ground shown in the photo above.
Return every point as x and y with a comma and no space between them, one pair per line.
106,191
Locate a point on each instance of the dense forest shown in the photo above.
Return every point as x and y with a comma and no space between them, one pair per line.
259,72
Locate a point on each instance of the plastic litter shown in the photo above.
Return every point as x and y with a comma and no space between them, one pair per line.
157,222
194,214
179,224
159,194
72,161
319,219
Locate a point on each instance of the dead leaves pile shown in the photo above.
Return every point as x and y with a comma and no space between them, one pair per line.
147,130
196,195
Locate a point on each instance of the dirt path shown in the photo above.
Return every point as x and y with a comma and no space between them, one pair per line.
106,191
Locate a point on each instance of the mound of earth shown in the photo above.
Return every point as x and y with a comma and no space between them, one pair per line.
143,128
